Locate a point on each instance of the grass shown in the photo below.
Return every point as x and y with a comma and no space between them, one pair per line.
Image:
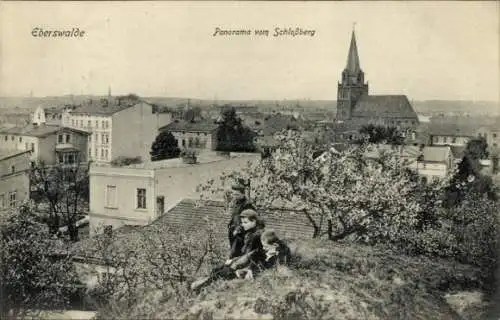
328,281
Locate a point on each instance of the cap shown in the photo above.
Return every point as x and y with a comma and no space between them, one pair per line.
249,214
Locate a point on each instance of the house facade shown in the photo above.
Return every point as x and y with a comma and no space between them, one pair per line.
197,135
138,194
50,144
14,178
118,128
492,136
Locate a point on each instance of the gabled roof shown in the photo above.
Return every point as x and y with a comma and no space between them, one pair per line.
188,126
39,131
384,106
436,153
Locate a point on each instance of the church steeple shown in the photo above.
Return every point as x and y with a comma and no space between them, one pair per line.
353,66
352,86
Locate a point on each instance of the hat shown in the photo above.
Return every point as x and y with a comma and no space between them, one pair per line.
238,186
249,214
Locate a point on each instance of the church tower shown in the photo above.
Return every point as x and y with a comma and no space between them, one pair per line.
353,84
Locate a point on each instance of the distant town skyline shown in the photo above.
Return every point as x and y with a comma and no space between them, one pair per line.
427,51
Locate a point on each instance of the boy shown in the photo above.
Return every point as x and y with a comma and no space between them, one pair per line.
276,253
251,251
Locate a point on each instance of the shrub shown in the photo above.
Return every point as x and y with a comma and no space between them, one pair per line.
125,161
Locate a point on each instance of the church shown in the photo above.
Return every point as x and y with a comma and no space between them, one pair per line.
355,106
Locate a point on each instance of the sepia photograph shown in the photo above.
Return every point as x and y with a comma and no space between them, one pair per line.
249,160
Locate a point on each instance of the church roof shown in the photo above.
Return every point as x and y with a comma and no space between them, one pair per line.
384,106
353,66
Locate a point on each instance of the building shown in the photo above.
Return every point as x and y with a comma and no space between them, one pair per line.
14,178
451,134
119,127
354,104
194,134
492,135
50,144
138,194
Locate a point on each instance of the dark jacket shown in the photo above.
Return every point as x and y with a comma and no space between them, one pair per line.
281,256
235,231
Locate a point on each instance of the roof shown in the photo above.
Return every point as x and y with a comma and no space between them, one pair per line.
384,106
451,129
106,106
353,66
39,130
188,126
8,153
190,216
436,153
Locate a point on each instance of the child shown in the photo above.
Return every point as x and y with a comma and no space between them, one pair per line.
251,251
276,253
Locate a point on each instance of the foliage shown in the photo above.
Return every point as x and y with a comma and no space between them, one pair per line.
125,161
165,146
232,135
62,193
371,196
188,153
34,275
330,281
160,258
371,133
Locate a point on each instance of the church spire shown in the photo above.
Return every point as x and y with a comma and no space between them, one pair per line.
353,66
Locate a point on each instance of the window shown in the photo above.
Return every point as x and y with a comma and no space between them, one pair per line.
68,137
32,146
445,139
90,138
81,123
96,153
436,139
73,122
97,124
141,198
454,140
107,138
20,139
2,200
12,199
102,153
106,154
102,138
12,169
89,123
102,124
6,137
12,138
61,158
494,135
71,158
60,138
90,152
111,200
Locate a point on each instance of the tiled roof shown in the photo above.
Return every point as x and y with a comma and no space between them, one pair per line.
436,153
38,131
190,215
384,106
188,126
451,129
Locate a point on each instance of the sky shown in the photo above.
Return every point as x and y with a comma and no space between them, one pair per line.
425,50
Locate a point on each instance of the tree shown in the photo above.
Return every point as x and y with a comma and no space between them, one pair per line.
350,194
468,177
34,275
380,134
62,193
165,146
232,135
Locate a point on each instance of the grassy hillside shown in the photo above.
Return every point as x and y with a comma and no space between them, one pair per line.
328,281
